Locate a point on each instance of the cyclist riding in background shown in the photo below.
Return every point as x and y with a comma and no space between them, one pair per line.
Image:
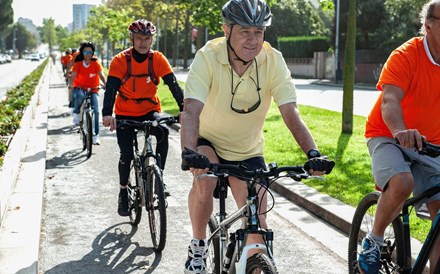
410,76
86,73
132,88
229,90
65,60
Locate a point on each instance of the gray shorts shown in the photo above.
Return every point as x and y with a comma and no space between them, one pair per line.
389,159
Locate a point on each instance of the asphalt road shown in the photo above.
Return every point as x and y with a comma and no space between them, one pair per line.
82,233
12,73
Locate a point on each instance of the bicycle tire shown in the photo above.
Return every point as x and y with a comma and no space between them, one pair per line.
155,205
213,258
134,196
260,262
392,256
83,137
88,132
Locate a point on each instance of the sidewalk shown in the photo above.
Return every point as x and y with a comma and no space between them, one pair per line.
20,229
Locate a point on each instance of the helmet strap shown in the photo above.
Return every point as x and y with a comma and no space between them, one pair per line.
228,42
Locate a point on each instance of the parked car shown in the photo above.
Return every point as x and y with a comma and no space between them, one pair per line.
35,57
3,58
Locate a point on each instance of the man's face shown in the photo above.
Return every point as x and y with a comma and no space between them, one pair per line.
246,41
141,42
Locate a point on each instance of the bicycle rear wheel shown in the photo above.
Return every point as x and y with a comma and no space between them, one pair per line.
88,131
213,259
155,205
134,195
260,263
392,254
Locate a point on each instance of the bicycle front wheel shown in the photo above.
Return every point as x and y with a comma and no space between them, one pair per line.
155,205
392,254
260,263
134,195
88,131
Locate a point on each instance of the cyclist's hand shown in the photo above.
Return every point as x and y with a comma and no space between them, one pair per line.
319,165
192,159
109,121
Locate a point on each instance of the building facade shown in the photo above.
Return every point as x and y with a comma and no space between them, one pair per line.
81,14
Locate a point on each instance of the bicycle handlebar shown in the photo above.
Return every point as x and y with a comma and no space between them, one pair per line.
148,123
297,173
428,149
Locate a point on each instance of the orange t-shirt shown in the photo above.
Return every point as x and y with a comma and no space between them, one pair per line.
409,68
65,60
143,86
87,77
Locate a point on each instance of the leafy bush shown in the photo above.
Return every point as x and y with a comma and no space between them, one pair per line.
12,109
302,46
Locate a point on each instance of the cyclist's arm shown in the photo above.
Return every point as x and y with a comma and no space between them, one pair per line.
189,120
393,117
102,77
171,81
72,78
112,86
297,127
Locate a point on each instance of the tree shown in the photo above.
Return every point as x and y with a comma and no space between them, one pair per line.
48,33
300,14
6,14
349,69
24,40
6,18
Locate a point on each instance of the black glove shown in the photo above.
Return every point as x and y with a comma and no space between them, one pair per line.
321,163
193,159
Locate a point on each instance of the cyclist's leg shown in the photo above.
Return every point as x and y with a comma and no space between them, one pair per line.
239,191
392,174
125,141
161,133
200,205
95,104
200,200
78,98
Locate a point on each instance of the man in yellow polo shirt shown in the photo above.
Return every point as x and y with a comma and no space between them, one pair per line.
228,93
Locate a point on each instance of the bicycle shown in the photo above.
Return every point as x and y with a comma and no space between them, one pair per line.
86,123
396,251
229,253
145,183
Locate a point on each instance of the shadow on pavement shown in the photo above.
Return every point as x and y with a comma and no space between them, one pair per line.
113,251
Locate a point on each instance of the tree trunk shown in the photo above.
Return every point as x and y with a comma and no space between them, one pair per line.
349,70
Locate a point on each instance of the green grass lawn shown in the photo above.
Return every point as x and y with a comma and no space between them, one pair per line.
351,178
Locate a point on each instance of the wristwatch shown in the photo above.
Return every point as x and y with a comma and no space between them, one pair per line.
313,153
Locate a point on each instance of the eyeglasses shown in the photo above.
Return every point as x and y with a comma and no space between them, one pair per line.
234,91
87,52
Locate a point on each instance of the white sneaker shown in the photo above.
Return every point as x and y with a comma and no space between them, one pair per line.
76,118
96,140
197,253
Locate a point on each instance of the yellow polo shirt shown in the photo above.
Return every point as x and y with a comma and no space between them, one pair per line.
237,136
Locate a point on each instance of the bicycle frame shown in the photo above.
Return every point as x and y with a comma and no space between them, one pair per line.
142,156
433,233
237,246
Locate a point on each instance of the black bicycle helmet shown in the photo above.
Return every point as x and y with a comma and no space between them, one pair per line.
247,13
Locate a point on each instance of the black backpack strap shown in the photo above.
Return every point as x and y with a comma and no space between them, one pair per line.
151,73
127,55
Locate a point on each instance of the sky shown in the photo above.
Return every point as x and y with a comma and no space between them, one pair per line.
36,10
